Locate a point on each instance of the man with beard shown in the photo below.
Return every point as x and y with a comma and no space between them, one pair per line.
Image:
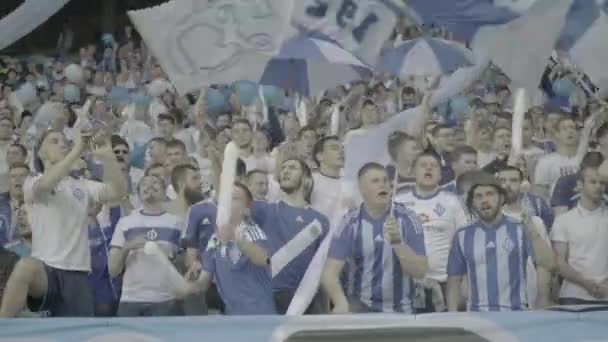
492,253
186,180
295,231
382,244
440,214
145,290
520,205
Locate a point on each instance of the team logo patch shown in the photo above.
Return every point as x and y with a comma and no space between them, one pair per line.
79,194
508,245
439,209
151,235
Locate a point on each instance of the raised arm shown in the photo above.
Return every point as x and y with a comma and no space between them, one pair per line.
115,183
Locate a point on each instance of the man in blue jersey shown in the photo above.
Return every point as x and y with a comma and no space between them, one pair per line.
493,253
294,230
382,245
236,259
106,290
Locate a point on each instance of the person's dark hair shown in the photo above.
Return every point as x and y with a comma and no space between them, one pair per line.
503,168
38,165
241,168
307,174
583,171
427,153
320,146
25,114
248,194
19,166
593,159
117,140
166,117
305,129
395,141
20,147
178,115
178,174
369,167
369,103
460,151
159,140
256,172
243,122
408,91
176,143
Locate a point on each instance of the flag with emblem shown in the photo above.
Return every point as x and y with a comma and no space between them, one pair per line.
518,36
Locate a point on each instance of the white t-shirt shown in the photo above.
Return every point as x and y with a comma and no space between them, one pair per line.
60,237
331,196
586,233
143,281
441,216
552,166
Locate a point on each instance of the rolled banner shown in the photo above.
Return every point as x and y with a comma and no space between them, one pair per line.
177,280
335,120
302,111
263,101
519,110
224,203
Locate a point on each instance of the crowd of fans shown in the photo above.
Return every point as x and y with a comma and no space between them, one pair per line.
94,167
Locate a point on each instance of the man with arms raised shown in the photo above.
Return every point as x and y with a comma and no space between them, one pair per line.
294,231
56,277
440,214
383,245
492,253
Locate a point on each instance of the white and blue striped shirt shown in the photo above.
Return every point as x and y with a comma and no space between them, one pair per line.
374,276
493,257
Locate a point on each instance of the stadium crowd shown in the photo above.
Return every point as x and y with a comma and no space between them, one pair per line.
100,156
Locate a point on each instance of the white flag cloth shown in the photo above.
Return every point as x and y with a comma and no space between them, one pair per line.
199,43
522,47
25,18
359,26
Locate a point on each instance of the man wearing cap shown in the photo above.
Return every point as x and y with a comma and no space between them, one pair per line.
492,253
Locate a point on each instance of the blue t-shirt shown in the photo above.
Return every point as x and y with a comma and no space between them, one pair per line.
201,225
105,290
245,288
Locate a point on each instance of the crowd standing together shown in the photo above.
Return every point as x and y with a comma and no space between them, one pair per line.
103,157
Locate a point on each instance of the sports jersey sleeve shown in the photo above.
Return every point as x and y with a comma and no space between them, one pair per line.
545,212
559,233
563,192
259,212
456,261
341,243
208,264
118,238
256,235
413,233
199,226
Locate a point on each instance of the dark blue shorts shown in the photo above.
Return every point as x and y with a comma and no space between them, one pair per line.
68,294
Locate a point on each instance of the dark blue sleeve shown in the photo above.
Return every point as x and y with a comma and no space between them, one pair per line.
457,265
563,191
200,225
546,213
115,213
274,127
259,212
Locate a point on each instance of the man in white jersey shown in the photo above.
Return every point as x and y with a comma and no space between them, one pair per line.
331,194
440,214
55,278
561,163
382,244
146,290
579,237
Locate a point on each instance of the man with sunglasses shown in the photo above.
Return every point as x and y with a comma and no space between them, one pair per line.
121,149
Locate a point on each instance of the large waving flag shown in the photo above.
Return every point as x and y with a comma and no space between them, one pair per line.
200,43
584,39
518,36
359,26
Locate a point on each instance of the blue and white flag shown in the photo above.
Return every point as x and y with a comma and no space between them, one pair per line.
584,39
518,36
199,43
359,26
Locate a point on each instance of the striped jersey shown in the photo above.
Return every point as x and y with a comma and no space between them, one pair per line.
373,273
493,258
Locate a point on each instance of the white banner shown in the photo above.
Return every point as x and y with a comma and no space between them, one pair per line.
25,18
360,26
199,42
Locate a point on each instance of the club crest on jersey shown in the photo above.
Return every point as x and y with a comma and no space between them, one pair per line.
151,235
439,209
508,245
79,194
